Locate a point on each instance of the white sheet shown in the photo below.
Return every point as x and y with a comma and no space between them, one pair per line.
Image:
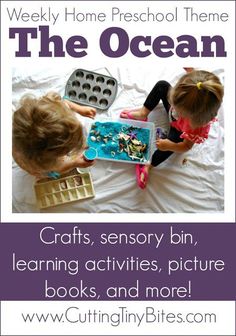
194,187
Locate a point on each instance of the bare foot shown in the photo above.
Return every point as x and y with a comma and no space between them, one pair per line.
139,114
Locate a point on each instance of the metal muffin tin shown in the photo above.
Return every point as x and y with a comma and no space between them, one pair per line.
91,89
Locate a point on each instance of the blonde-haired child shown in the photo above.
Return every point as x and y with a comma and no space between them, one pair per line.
47,136
192,104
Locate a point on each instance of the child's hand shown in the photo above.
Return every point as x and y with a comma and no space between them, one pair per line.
164,144
87,111
180,147
80,162
188,69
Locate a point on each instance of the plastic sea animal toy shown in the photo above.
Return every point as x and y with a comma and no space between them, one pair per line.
133,135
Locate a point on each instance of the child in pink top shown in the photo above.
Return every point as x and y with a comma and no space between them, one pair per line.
192,104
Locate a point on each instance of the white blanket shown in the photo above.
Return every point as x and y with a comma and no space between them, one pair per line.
192,182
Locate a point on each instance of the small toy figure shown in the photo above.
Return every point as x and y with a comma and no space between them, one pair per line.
161,133
185,162
78,181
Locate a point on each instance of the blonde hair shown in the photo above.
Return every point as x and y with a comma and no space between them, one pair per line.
198,95
45,129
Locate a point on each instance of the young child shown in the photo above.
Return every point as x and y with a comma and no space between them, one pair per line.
47,136
192,104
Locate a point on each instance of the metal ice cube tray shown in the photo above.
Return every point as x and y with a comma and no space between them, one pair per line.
92,89
71,187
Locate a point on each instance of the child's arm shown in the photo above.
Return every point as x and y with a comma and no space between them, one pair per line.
78,162
61,167
85,111
167,145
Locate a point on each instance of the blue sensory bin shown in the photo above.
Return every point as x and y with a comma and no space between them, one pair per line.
123,140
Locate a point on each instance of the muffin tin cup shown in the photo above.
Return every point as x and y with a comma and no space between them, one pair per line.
90,88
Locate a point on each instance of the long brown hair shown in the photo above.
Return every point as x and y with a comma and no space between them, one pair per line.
198,95
45,129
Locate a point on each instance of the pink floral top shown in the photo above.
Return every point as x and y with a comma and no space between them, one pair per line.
197,135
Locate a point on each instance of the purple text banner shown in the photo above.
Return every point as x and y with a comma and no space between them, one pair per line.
117,261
